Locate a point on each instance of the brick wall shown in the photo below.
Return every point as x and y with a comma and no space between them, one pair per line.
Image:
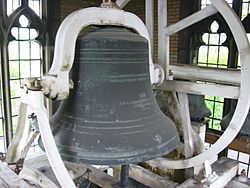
173,16
137,7
68,6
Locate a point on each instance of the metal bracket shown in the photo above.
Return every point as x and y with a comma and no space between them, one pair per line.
56,84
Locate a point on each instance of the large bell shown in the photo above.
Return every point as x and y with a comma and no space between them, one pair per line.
198,108
111,116
245,129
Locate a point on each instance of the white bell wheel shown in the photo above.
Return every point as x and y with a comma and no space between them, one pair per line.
242,107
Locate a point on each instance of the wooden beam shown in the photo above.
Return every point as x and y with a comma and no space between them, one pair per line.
191,183
122,3
149,178
79,171
190,20
94,175
9,179
201,88
224,170
241,144
43,176
217,75
237,182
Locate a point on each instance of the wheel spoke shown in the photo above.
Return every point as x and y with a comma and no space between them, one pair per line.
122,3
190,20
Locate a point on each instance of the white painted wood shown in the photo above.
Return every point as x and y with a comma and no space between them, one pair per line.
205,168
149,4
231,92
210,74
21,136
149,178
97,176
35,176
56,83
243,104
122,3
163,42
186,124
200,128
190,183
35,100
41,167
193,143
8,179
190,20
236,182
225,169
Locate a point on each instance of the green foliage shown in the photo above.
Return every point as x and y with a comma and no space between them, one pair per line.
215,105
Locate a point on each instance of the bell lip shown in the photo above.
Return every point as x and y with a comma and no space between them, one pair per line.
171,141
124,160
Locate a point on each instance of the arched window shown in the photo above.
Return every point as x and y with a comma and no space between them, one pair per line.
213,52
23,36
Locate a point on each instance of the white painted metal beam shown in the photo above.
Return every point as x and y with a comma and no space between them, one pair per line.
56,84
122,3
163,41
209,74
201,89
186,125
190,20
149,4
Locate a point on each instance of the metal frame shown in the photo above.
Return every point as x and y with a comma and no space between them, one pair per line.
244,90
57,84
61,68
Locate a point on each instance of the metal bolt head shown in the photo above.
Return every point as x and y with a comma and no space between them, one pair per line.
109,4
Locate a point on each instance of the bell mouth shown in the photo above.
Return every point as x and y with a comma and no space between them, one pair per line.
120,146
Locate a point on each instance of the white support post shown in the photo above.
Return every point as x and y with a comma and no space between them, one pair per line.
163,42
150,22
21,136
186,124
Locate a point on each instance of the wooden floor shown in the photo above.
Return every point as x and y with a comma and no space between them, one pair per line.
225,169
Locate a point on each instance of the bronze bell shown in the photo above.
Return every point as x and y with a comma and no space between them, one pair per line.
198,108
245,129
111,116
